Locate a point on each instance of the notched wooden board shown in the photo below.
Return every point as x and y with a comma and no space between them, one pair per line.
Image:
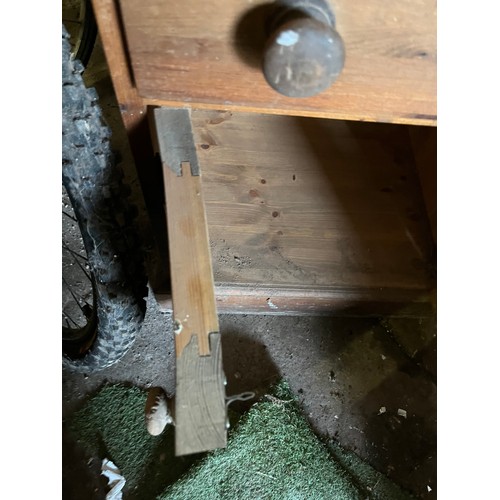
200,411
195,311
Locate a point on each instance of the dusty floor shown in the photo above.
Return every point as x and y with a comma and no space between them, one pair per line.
345,371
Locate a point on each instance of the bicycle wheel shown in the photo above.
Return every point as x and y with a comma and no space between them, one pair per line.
78,16
79,299
107,284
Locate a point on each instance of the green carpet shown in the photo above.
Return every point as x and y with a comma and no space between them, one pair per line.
272,454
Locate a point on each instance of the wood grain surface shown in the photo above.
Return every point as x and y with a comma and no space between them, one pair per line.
208,55
193,297
323,208
200,409
108,19
200,406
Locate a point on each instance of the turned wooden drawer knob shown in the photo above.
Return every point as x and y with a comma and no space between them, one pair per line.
304,54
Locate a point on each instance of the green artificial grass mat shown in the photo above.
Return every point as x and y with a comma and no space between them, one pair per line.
111,425
272,454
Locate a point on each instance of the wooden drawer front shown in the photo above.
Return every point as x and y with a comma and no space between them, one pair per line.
203,54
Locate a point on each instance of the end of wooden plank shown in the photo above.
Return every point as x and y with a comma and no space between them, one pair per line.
200,405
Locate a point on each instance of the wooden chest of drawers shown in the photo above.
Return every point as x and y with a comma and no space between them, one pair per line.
319,204
363,229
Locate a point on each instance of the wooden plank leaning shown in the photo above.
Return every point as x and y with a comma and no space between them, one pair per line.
200,405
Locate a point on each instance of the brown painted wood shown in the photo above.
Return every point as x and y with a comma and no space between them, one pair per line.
207,55
328,207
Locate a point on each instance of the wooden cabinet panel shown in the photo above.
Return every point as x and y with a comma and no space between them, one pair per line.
326,213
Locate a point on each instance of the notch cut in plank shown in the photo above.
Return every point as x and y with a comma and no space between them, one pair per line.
193,296
200,412
175,139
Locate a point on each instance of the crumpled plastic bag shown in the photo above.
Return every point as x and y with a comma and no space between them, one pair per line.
115,480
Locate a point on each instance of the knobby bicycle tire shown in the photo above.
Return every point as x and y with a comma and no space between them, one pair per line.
88,34
94,185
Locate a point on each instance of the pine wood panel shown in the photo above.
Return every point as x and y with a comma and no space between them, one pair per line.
328,207
200,409
194,307
207,54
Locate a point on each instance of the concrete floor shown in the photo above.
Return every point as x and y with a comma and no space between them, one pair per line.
343,370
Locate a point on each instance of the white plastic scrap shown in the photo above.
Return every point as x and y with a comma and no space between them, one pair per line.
115,480
401,413
429,489
383,409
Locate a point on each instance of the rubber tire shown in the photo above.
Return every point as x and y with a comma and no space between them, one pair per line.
89,35
94,185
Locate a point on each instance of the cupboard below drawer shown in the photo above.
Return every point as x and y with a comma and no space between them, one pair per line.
313,216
